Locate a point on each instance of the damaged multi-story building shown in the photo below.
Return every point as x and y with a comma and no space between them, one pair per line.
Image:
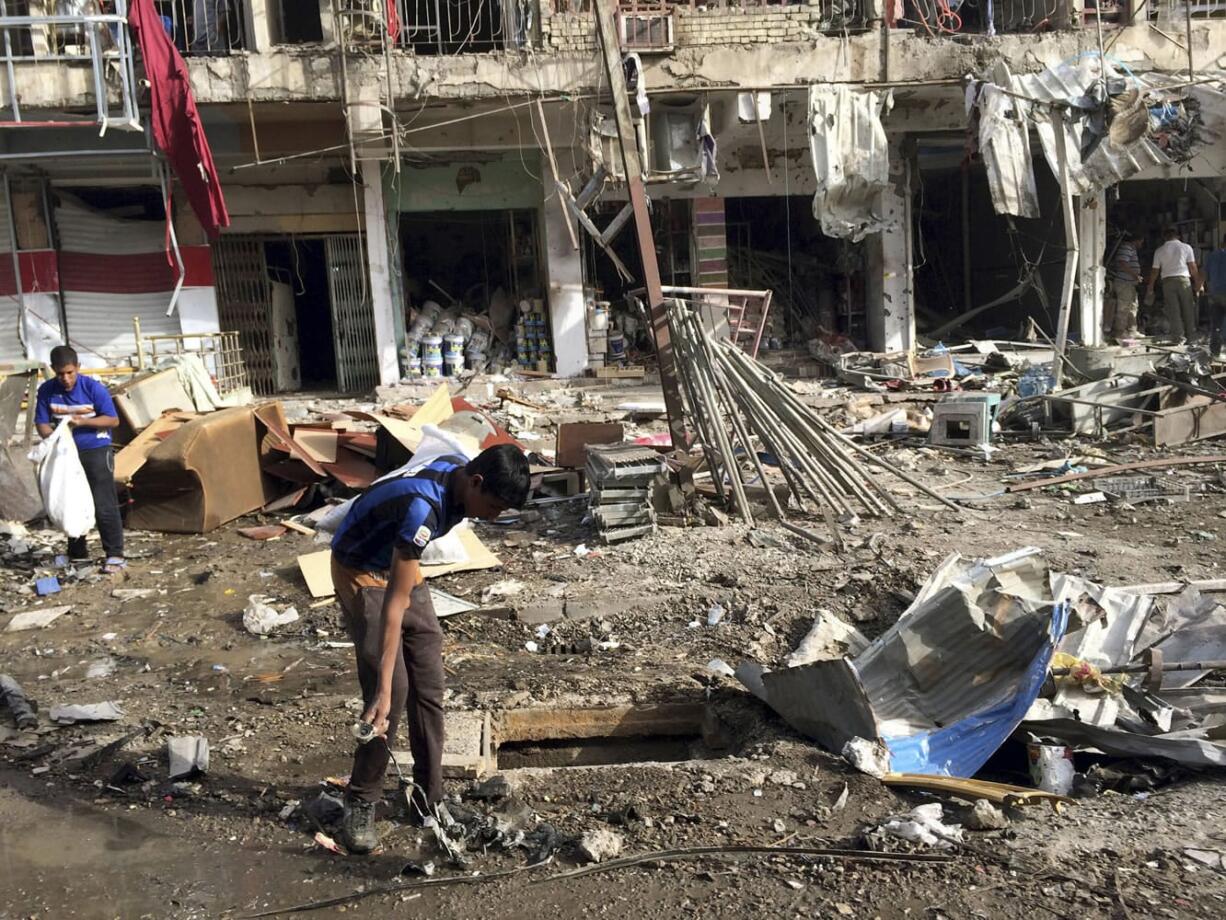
879,166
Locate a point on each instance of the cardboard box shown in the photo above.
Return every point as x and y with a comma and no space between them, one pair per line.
205,474
574,437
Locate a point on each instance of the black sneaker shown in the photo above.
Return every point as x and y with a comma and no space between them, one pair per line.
357,830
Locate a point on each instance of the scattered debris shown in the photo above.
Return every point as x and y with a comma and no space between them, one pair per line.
36,619
260,618
188,755
86,712
600,845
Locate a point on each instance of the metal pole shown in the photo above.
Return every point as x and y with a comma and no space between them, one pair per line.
1072,246
611,53
21,296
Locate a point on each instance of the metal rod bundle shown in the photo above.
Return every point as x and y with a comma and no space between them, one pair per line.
732,400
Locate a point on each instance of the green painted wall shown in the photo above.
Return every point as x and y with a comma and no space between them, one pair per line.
468,186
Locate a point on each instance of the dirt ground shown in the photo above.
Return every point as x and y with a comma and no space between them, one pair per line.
76,842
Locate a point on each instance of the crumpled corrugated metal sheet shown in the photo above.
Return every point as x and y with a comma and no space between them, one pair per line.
949,682
1076,87
851,158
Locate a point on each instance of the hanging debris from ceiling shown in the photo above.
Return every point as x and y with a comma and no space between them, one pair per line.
1116,124
851,159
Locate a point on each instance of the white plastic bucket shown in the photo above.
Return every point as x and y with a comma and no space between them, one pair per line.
432,348
617,346
600,317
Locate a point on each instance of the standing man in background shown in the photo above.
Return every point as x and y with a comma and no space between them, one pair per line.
1175,262
1123,277
83,404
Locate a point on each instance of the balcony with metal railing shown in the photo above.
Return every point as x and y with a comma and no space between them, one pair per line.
67,63
463,26
207,27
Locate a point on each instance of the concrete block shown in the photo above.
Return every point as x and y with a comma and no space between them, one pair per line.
541,612
960,424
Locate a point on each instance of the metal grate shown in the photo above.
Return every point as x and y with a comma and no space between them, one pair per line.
1135,489
220,351
205,26
353,318
244,303
464,26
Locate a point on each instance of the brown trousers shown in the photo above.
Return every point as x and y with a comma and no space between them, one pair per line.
417,682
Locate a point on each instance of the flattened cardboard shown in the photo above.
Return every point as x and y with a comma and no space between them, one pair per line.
351,469
320,445
279,438
132,456
433,411
205,474
574,438
316,569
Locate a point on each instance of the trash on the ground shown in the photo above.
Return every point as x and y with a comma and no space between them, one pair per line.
188,755
260,618
86,712
985,816
99,668
600,844
715,614
48,585
828,638
506,588
720,667
329,844
36,619
924,825
14,698
871,757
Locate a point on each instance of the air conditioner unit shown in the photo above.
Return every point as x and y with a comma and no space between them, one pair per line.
646,30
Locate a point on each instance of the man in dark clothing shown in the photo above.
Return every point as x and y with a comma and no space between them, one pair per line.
82,403
376,570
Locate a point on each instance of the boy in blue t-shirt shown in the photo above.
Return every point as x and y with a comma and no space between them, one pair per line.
376,570
84,405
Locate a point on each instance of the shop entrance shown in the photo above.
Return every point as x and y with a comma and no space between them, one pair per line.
480,266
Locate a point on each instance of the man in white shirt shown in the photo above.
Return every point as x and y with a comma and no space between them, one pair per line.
1175,261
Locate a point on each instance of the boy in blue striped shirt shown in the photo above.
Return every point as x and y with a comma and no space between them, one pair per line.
376,570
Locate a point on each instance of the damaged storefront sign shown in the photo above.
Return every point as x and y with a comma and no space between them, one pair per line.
851,158
953,678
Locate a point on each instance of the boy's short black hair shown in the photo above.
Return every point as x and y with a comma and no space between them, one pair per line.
62,356
504,473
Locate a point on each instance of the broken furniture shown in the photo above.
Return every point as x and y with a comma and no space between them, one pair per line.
963,420
621,479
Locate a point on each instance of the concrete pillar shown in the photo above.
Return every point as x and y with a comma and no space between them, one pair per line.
888,281
259,25
378,258
564,281
327,22
1091,274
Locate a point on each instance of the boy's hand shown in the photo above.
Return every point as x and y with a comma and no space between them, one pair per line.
377,714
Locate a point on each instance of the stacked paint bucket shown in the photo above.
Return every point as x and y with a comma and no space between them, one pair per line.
432,356
532,347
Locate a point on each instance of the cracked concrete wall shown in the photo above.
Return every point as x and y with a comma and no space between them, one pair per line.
312,73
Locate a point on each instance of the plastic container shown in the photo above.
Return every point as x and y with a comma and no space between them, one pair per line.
413,366
454,365
1051,767
600,316
617,346
432,348
453,347
432,365
463,327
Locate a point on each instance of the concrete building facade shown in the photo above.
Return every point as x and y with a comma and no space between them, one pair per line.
376,155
